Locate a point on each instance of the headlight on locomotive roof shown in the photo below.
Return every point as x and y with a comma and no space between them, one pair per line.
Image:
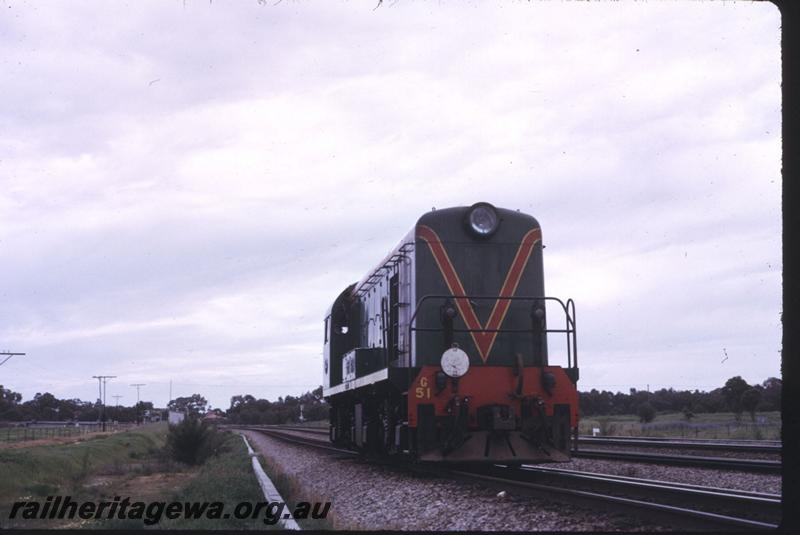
482,219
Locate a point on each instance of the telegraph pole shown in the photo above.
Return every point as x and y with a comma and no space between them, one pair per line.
116,412
101,390
137,385
8,355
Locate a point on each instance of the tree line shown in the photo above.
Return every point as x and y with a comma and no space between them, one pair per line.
246,409
47,407
736,396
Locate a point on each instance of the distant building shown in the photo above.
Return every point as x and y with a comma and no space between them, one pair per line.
176,417
214,416
154,415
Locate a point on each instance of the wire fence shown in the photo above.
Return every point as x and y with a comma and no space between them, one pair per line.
22,433
762,430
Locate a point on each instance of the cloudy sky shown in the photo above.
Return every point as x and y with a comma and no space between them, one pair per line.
185,186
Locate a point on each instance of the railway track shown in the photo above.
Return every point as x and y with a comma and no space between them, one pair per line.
318,442
688,444
309,430
688,439
750,446
722,463
691,505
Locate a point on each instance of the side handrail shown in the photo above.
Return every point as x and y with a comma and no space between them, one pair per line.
568,308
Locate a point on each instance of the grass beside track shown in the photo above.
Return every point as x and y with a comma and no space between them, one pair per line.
227,478
131,464
721,425
40,471
292,490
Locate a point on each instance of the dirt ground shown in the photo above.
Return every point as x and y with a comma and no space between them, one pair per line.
151,487
145,488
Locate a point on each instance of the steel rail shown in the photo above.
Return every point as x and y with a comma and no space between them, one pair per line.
680,444
308,430
761,503
646,442
726,463
562,482
689,439
747,465
509,477
556,469
282,435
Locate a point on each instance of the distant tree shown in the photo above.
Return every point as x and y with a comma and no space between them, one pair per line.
314,406
603,403
9,397
42,407
688,413
248,410
646,412
237,401
10,404
712,401
771,394
750,399
732,392
194,404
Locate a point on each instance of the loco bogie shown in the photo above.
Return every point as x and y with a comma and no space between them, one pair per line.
366,421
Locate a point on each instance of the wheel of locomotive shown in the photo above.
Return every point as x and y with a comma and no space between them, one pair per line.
379,426
335,427
386,426
342,422
332,425
350,422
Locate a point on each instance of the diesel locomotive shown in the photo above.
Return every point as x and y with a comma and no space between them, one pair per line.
440,353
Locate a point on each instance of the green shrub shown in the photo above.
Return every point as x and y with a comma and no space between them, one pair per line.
192,441
606,427
646,412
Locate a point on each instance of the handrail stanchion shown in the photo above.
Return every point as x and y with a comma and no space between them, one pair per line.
568,309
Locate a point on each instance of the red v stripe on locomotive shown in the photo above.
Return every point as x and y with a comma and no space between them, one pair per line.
483,340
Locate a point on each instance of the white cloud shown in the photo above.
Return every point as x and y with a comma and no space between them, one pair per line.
187,186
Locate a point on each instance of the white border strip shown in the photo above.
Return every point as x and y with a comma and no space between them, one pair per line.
374,377
269,490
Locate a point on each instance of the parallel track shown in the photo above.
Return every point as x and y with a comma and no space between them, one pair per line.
280,432
722,463
698,506
693,506
750,446
641,442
